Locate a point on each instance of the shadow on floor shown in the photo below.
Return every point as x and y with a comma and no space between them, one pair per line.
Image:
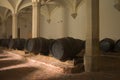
6,63
88,76
16,73
1,51
1,57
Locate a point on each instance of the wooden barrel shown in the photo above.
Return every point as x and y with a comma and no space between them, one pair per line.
30,45
66,48
107,45
12,44
17,44
117,46
4,43
51,41
1,42
38,45
20,43
78,60
26,45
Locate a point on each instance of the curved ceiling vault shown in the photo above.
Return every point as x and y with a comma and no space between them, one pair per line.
16,5
3,12
24,4
6,4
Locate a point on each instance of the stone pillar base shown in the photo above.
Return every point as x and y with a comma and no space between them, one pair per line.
92,63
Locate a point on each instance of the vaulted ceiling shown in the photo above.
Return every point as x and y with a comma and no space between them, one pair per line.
47,5
3,12
16,5
8,7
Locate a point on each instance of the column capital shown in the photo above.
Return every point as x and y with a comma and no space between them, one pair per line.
35,4
14,14
36,1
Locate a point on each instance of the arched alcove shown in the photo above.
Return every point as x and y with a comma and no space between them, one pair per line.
25,22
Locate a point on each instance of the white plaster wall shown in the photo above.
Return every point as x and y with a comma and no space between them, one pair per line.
109,20
25,25
77,26
1,35
63,24
0,28
56,28
9,27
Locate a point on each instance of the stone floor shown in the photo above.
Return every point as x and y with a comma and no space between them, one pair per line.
16,67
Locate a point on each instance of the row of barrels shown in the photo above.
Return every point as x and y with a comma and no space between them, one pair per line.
13,43
109,45
38,45
4,42
62,49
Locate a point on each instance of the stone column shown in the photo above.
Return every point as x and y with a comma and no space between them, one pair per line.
92,39
14,25
35,18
